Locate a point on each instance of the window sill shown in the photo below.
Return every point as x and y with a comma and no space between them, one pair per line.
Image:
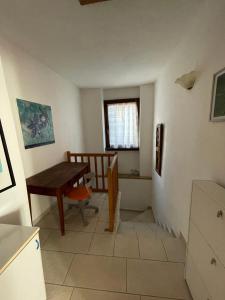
121,149
131,176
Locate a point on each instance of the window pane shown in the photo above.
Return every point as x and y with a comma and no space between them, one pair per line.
123,125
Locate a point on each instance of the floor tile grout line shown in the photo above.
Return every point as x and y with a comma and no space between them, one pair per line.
119,257
165,249
114,246
92,234
70,266
92,241
116,292
138,245
71,293
61,285
42,244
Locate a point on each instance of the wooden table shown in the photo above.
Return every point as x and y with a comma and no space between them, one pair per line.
54,182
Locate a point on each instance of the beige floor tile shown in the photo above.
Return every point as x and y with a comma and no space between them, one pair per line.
151,248
145,230
145,217
126,246
84,294
75,223
102,244
50,221
98,272
157,298
175,249
153,298
162,233
101,226
127,229
43,235
128,215
57,292
56,266
103,216
75,242
160,279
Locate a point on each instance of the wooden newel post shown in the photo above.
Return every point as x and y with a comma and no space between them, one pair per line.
68,156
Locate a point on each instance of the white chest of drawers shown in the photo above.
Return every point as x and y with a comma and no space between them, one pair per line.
21,272
205,262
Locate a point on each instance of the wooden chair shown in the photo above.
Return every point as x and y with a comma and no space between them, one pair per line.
81,195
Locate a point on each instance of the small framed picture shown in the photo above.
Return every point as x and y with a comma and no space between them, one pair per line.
159,148
218,97
7,179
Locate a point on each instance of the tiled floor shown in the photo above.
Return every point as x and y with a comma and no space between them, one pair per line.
140,262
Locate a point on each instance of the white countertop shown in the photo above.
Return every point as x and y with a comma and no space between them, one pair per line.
13,238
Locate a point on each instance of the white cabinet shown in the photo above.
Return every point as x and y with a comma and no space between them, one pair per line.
22,274
205,263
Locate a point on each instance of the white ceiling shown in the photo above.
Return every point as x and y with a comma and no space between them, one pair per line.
109,44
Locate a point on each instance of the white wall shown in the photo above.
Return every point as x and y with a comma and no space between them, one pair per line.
92,112
13,202
121,93
146,128
28,79
193,147
135,193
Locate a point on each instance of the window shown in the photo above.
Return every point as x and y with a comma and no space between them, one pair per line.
122,124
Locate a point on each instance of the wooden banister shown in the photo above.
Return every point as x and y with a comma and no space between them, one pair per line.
108,160
112,191
86,154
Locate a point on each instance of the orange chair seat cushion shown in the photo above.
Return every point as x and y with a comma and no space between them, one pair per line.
79,193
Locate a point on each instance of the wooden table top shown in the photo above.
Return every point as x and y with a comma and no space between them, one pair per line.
56,176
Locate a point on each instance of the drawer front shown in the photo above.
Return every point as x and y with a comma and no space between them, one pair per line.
209,217
210,268
196,285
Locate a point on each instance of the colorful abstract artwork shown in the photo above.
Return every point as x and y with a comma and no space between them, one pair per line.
7,179
36,123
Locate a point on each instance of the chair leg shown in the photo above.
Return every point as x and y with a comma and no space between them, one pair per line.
82,215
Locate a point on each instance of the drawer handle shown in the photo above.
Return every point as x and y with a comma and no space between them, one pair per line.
213,261
37,244
219,214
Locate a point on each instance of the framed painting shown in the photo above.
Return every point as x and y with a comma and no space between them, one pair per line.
36,123
159,148
218,97
7,179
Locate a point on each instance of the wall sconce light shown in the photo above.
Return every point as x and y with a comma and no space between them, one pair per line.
187,81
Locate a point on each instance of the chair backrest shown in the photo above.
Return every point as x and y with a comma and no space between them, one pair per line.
89,179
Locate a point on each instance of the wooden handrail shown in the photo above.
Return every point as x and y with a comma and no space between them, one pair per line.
107,154
106,181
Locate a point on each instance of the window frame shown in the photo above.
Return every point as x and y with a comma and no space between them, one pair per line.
116,101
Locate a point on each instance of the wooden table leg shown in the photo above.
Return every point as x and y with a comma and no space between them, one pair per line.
29,200
61,212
